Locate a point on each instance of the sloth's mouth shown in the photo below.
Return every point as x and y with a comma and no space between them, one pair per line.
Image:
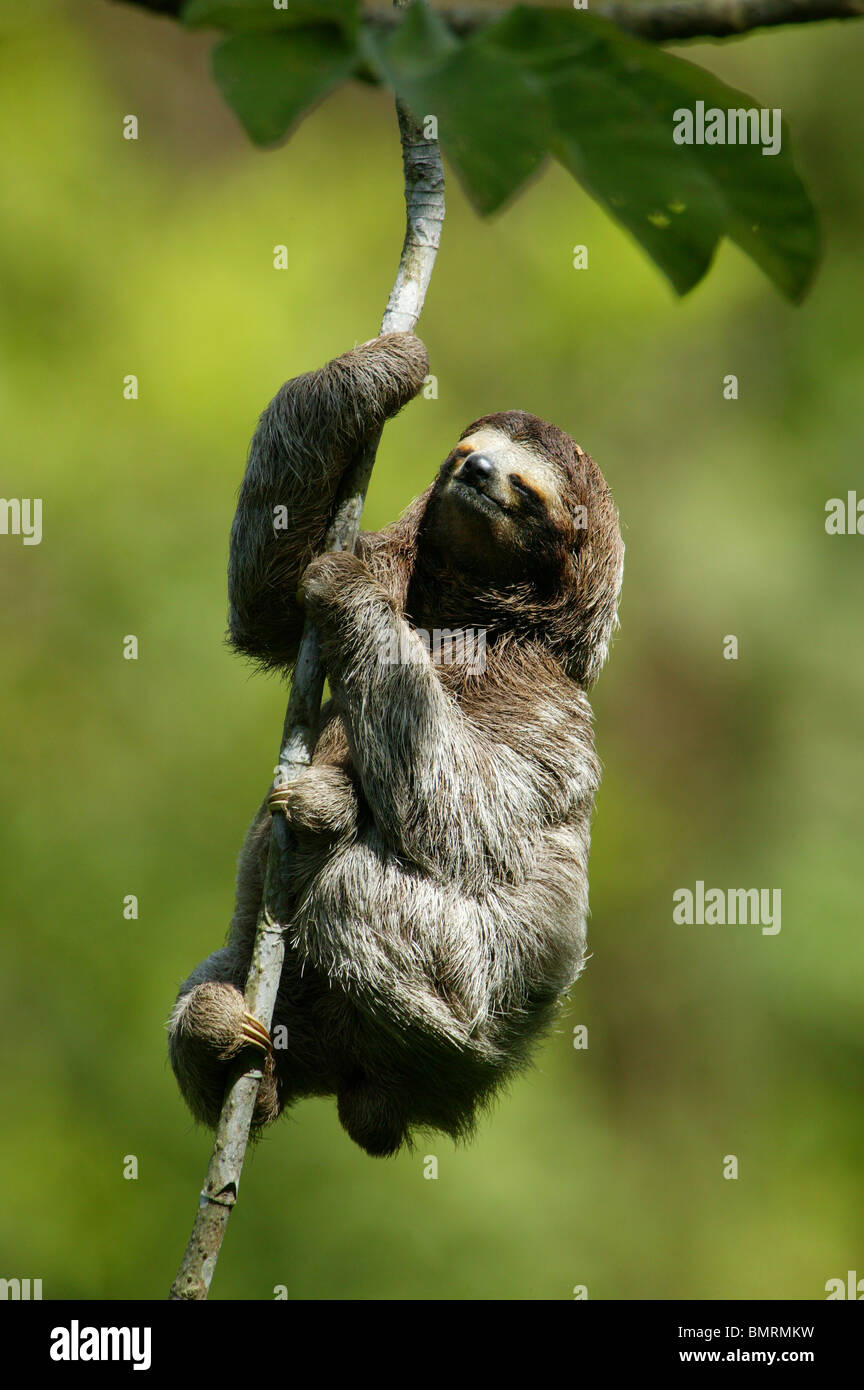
481,501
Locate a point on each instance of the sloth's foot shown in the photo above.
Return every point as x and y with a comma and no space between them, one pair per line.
209,1030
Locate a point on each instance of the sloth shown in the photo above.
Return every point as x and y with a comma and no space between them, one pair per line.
437,864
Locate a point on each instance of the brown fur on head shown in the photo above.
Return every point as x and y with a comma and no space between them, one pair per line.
521,527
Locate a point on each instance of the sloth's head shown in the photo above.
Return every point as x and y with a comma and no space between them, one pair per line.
528,530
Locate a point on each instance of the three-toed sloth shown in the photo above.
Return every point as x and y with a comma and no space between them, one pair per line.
438,842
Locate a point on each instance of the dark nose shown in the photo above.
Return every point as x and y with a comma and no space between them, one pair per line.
476,469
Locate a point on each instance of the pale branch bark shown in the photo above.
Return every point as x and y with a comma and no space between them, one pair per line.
658,21
424,202
668,21
424,199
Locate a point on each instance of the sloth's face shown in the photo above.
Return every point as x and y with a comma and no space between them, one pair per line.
498,504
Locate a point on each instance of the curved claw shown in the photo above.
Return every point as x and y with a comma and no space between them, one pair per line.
254,1033
279,797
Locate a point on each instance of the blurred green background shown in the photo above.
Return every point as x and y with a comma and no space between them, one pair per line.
602,1167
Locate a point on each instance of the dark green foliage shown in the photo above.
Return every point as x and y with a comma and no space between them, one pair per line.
531,83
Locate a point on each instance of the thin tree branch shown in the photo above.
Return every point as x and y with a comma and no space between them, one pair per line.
424,202
658,21
668,21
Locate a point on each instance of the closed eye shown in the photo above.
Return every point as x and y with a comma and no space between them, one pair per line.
523,488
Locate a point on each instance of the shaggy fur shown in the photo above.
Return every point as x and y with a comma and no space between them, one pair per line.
439,840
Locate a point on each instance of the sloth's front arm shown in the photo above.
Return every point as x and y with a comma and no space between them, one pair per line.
309,436
449,796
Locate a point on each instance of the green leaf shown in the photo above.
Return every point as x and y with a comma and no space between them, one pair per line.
611,101
492,122
259,16
271,80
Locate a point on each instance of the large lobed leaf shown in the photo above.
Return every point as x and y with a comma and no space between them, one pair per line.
611,100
